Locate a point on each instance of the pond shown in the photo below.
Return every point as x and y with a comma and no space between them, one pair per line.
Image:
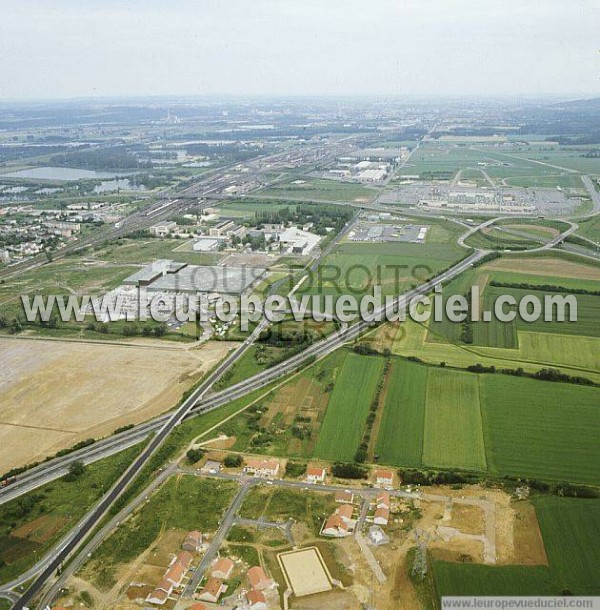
62,173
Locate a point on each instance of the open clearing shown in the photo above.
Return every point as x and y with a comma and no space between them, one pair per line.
57,393
453,435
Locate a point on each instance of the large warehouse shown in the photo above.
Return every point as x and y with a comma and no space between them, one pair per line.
169,276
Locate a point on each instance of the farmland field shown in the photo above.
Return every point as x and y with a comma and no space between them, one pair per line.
453,434
348,408
541,429
55,394
356,268
571,530
476,579
400,439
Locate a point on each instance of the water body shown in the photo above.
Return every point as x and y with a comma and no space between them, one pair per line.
62,173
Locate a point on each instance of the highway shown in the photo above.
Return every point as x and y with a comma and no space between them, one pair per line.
55,468
317,350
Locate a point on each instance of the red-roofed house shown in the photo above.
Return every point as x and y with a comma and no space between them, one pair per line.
262,468
383,501
184,559
258,579
344,497
192,542
336,527
315,475
198,606
222,568
160,595
256,600
384,478
382,516
175,574
212,590
345,511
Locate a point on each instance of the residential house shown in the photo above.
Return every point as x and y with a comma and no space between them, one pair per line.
382,516
175,574
345,512
198,606
256,600
383,501
184,559
344,497
258,579
222,568
315,475
384,478
336,527
192,542
160,595
262,468
212,590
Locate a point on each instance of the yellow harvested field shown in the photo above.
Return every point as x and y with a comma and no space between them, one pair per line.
54,394
546,266
305,571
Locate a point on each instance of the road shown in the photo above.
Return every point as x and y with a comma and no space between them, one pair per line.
57,557
53,469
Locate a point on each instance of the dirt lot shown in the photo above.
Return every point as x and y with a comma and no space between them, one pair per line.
547,266
54,393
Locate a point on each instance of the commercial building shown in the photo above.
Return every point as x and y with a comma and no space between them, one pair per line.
163,229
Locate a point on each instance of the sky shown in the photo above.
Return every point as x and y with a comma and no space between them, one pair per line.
103,48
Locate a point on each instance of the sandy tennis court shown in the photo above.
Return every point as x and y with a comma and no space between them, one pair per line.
305,571
54,394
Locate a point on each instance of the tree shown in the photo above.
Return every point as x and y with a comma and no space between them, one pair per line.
233,461
76,469
194,455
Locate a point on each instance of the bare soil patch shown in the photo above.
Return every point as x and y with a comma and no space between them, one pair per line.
54,394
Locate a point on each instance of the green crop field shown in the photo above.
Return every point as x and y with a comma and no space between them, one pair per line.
348,408
474,579
590,228
507,425
588,312
356,268
400,439
541,429
571,531
453,434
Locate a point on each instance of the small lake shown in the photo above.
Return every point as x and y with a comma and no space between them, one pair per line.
62,173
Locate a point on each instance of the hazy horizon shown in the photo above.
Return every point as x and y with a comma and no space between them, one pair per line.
279,48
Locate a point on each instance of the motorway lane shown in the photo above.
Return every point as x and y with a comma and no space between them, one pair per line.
317,350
